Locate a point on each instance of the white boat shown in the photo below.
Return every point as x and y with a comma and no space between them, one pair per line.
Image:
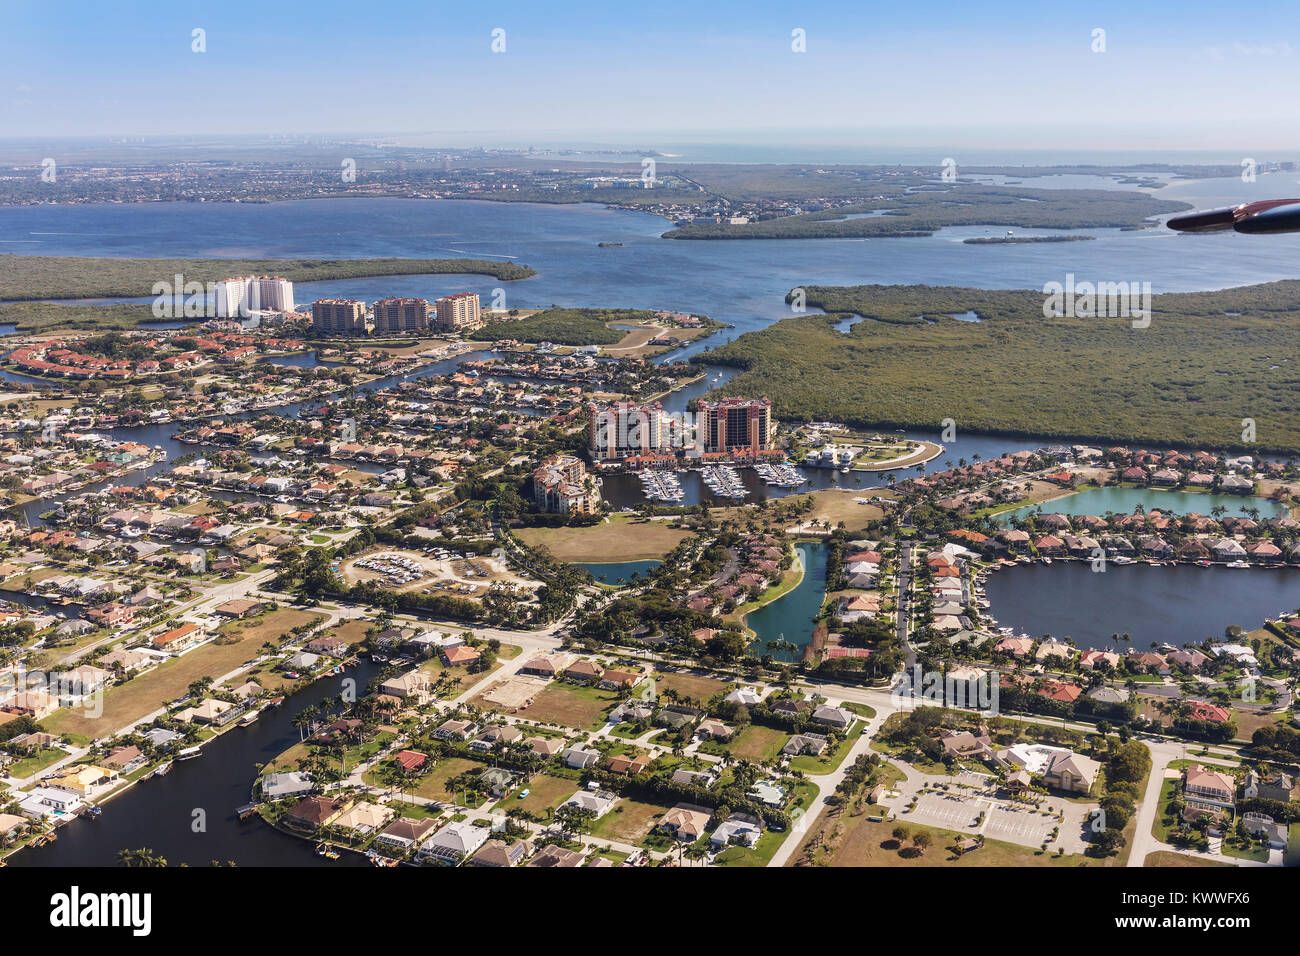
189,753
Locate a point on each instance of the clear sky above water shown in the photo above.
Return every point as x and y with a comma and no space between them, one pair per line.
1186,75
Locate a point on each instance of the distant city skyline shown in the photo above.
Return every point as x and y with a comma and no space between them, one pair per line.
1188,76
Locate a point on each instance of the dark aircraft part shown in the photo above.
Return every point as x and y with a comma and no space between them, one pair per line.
1262,217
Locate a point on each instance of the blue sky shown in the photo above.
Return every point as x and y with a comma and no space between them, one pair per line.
1012,75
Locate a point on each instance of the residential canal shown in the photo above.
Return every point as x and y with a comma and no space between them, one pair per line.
1173,604
160,813
791,617
1123,501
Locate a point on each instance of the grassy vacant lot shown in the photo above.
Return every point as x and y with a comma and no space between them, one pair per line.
630,821
829,760
872,844
1165,858
618,539
126,703
433,784
544,793
273,626
71,277
757,743
1177,381
573,706
689,685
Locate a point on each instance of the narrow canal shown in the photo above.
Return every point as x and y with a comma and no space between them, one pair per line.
161,813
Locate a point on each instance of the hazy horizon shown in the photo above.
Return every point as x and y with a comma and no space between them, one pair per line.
1011,76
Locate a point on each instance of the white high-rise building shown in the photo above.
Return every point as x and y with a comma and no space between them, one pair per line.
241,295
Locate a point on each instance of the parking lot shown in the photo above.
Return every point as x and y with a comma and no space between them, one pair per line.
959,808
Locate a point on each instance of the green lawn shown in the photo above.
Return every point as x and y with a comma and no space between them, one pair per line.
829,760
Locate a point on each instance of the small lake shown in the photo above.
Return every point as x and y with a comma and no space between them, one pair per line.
620,572
791,616
1173,604
1098,501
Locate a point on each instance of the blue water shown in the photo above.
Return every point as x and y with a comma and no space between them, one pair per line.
619,572
1099,501
1175,604
791,616
740,283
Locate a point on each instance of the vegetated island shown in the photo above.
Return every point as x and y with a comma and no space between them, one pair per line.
1020,240
586,326
29,278
1206,361
925,210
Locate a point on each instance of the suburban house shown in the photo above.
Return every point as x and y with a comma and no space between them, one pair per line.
685,822
1209,786
452,844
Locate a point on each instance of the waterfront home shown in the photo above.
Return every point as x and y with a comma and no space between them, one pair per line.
685,822
362,818
162,738
1148,661
287,783
739,829
1236,485
1015,646
404,833
1226,549
414,684
49,803
1091,659
1189,659
1210,786
209,711
85,780
312,813
451,845
1238,652
124,759
1053,649
328,644
1264,552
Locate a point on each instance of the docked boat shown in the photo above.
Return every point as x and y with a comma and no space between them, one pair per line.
189,753
163,770
250,718
327,851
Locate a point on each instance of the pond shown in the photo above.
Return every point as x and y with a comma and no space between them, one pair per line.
790,618
619,572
